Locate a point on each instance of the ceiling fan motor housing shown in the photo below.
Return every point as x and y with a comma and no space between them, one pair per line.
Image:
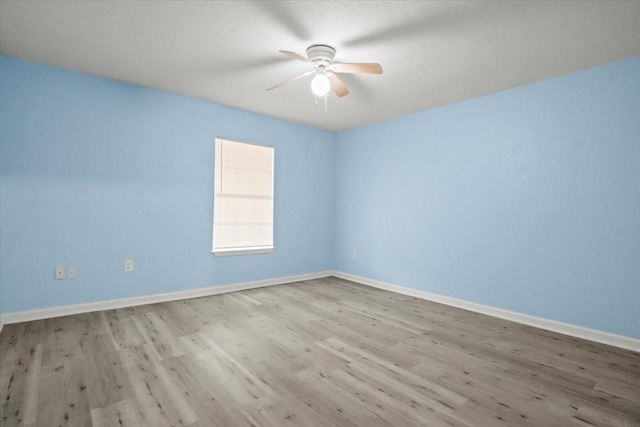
321,54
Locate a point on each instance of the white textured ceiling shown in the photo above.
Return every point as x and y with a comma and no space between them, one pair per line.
433,53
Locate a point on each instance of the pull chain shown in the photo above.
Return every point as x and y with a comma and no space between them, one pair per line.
315,101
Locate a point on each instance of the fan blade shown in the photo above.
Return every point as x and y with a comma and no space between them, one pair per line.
296,56
292,79
336,84
357,68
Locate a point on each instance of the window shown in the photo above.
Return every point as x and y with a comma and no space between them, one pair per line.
243,199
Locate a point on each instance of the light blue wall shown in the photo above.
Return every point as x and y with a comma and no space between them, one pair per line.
527,200
94,172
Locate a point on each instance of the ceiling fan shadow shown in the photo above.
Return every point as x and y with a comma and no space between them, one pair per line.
448,19
282,16
356,86
248,64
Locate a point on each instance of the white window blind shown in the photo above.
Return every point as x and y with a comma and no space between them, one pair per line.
243,200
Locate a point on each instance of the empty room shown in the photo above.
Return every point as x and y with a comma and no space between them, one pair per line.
319,213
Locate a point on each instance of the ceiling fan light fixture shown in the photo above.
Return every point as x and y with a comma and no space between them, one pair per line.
320,84
320,59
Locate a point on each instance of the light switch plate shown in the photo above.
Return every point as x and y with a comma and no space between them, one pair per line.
71,272
59,273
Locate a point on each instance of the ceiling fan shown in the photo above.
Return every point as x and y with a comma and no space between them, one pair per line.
320,58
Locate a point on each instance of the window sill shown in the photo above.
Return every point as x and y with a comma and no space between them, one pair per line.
243,251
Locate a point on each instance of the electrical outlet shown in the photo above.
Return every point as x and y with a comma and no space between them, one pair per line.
354,255
71,272
128,265
59,273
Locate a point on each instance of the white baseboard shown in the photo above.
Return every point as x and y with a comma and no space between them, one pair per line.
46,313
538,322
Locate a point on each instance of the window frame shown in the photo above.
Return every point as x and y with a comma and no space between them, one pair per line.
246,250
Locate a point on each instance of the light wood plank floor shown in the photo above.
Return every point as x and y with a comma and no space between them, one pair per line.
318,353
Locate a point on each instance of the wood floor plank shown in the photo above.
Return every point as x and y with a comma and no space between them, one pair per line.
204,394
386,372
19,385
62,339
281,411
158,399
122,329
20,365
347,393
157,335
124,413
106,379
63,399
314,353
